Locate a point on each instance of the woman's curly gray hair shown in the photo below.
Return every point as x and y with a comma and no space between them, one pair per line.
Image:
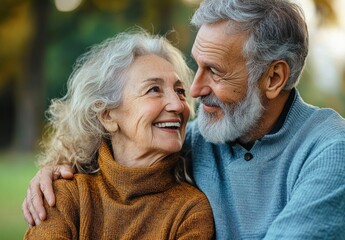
276,29
74,133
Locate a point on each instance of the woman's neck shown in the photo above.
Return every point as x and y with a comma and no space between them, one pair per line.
133,157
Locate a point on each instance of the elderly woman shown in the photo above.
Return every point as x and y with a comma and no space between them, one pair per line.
123,121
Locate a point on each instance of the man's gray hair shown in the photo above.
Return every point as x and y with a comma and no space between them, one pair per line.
276,31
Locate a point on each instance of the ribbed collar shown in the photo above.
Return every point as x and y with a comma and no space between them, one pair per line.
279,123
127,183
297,114
282,117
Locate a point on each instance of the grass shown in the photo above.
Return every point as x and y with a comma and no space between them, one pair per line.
16,170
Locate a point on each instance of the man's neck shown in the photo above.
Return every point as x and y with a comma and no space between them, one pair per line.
273,110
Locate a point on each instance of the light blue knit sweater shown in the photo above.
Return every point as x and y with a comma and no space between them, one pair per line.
292,188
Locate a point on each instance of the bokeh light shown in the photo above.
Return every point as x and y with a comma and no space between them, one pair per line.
67,5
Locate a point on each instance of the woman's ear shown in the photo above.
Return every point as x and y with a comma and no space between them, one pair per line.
278,74
107,118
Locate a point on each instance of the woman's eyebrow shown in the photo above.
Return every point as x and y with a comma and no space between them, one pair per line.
155,80
148,81
158,80
179,83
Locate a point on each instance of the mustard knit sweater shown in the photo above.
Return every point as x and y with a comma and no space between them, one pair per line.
126,203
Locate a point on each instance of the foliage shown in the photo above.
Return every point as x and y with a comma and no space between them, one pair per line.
16,170
40,45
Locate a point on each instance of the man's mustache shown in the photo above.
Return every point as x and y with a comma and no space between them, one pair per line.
211,100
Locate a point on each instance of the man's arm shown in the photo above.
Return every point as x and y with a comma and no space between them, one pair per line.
40,187
315,209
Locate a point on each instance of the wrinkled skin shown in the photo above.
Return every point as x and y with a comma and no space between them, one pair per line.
40,187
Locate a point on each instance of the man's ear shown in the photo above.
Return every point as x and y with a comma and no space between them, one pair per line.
107,118
276,78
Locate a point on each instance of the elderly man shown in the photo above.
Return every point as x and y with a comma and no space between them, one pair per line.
272,166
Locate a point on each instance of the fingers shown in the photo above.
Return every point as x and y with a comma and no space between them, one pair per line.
50,174
40,187
66,171
27,215
33,198
46,186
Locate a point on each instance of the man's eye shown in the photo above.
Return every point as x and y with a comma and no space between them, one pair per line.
213,71
153,89
181,91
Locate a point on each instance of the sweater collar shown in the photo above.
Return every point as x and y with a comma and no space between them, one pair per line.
282,117
279,123
130,182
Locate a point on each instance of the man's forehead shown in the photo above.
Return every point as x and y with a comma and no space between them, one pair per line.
222,31
209,34
218,37
217,29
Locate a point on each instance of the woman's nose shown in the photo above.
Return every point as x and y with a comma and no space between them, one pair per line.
200,86
174,103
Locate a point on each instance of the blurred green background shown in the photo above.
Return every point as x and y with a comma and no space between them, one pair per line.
40,40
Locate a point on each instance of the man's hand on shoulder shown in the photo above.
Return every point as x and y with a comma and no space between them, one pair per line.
40,187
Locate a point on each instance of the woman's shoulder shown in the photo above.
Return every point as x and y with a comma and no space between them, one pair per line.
79,182
190,194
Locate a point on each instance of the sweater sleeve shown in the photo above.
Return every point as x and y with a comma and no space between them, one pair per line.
315,209
62,220
198,223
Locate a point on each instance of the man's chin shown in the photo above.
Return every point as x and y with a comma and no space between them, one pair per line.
216,131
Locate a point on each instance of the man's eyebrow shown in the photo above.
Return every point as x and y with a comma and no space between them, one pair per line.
212,65
207,64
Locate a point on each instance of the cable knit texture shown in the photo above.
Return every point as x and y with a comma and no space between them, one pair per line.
126,203
293,187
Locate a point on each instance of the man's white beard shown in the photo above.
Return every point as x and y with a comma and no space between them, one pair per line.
238,119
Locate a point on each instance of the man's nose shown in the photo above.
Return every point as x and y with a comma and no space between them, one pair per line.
200,86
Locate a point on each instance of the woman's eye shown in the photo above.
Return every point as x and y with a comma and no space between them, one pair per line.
181,91
153,89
